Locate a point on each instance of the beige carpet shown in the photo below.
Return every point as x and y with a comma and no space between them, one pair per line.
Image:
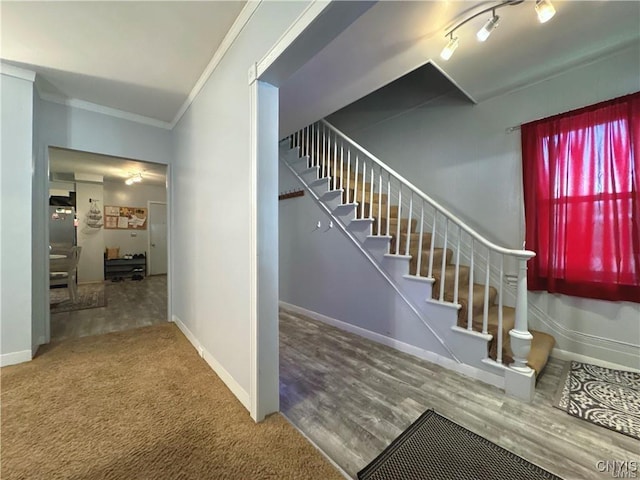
139,404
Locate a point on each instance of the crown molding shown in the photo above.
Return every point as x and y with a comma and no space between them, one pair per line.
96,108
243,18
17,72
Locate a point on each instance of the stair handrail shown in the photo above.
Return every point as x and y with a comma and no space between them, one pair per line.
525,254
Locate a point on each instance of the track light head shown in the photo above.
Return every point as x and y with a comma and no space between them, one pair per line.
134,178
449,48
545,10
485,31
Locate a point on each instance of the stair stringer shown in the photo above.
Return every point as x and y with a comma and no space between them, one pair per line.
466,348
342,216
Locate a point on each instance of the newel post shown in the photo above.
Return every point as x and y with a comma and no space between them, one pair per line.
520,335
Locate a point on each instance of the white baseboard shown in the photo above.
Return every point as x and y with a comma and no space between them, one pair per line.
565,355
14,358
468,370
240,393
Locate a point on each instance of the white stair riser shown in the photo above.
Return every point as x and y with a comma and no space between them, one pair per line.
332,199
397,267
309,175
377,247
345,213
360,229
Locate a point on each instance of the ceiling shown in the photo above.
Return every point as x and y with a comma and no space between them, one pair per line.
416,88
393,38
144,57
140,57
63,164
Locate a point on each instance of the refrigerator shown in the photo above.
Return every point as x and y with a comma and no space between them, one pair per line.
62,227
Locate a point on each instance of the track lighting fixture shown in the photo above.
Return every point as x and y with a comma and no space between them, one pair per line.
488,27
448,50
544,9
135,178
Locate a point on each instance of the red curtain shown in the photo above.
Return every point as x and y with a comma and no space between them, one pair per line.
581,173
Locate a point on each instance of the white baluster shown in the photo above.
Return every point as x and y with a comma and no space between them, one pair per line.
444,258
364,190
457,273
470,298
371,195
335,161
418,272
318,150
312,150
398,219
349,175
499,354
324,154
408,245
341,165
380,205
388,232
433,241
355,183
485,314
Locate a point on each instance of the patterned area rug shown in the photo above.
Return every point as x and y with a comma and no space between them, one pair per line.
603,396
436,448
90,295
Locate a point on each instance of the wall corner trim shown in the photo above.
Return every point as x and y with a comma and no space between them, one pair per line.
242,19
96,108
240,393
17,72
14,358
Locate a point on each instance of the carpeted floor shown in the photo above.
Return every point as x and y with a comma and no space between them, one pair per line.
90,295
139,404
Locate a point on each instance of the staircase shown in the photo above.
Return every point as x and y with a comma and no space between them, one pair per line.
453,278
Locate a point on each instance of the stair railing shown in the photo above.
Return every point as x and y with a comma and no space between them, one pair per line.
372,187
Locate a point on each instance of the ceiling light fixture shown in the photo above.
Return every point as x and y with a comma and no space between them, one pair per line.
448,50
488,27
544,10
135,178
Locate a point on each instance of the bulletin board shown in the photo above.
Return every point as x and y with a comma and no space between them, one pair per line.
125,218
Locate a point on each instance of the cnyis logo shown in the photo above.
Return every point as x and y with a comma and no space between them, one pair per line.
618,468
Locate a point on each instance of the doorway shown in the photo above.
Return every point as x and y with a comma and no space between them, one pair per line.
157,258
113,200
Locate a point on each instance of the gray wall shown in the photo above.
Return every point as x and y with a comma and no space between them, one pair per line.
15,219
462,156
323,271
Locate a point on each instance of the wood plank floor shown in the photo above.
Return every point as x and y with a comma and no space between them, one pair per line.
352,397
129,304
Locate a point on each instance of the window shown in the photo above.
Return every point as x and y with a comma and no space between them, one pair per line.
581,173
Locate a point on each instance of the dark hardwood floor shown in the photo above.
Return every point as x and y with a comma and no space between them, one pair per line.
352,397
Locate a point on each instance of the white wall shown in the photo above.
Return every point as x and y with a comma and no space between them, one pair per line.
16,149
91,262
211,197
461,155
136,195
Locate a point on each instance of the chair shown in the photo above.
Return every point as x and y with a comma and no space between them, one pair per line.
64,272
